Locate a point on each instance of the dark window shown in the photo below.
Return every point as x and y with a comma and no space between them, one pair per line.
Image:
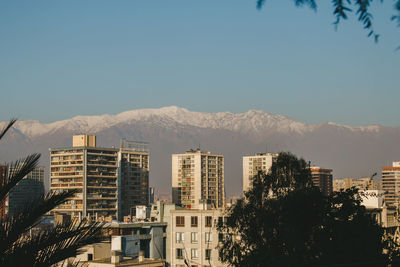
208,254
194,221
208,221
179,253
180,221
90,257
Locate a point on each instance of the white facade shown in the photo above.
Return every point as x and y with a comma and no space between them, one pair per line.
194,238
253,164
372,199
198,176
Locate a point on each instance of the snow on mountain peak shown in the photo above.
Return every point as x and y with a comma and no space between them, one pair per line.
253,121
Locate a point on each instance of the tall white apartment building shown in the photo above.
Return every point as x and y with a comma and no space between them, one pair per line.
198,177
391,183
194,238
260,162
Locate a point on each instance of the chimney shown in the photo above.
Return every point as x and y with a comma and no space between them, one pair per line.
116,256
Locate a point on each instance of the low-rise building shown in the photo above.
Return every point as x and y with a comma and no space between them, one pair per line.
194,237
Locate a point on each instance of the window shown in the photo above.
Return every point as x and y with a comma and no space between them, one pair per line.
195,237
208,237
179,253
180,221
194,221
180,237
208,254
208,221
220,237
195,253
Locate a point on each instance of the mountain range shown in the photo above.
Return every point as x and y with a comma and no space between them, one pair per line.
349,150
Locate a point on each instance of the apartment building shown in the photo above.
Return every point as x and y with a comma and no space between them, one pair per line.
323,179
133,158
252,165
108,181
29,189
365,183
391,183
198,176
194,238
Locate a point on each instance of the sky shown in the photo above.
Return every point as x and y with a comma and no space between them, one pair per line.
60,59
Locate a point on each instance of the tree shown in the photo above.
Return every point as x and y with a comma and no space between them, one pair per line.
283,220
343,8
17,247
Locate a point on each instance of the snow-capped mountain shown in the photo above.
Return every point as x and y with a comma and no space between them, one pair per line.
252,121
348,150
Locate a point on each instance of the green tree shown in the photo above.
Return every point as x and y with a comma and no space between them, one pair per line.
343,8
17,246
283,220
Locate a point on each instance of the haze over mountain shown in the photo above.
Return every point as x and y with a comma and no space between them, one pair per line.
350,151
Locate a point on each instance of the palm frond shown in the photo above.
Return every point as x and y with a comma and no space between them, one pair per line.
12,227
7,127
16,172
53,246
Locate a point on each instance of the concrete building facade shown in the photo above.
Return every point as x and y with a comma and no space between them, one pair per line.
323,179
252,165
194,238
364,183
198,176
109,181
391,183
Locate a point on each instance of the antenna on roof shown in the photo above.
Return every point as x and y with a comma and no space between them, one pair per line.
199,148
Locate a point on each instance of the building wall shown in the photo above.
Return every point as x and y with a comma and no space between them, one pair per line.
261,162
134,184
323,179
198,176
202,231
391,184
91,171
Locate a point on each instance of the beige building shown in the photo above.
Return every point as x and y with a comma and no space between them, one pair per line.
364,183
391,183
101,176
197,177
194,238
323,179
252,165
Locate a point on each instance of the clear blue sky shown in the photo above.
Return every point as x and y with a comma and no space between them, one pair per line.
59,59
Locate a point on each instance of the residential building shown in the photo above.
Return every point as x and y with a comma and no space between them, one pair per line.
364,183
26,191
194,237
323,179
133,158
391,183
252,165
198,176
109,182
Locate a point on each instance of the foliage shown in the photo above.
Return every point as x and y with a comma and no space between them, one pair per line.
48,247
342,9
283,220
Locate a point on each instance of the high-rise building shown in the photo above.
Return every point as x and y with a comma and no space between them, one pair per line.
109,181
323,179
29,189
198,177
134,176
252,165
391,183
